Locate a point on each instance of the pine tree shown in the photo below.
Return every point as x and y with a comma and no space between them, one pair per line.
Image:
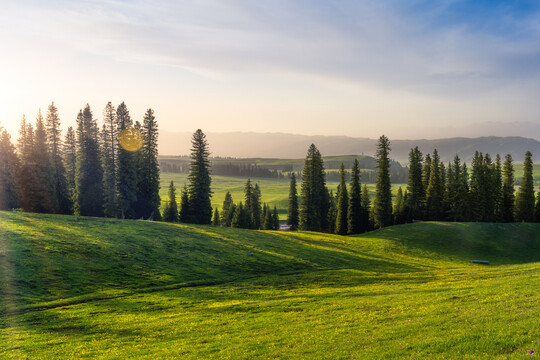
434,191
185,210
342,204
537,208
508,201
415,186
426,172
332,212
457,190
127,177
110,161
170,213
399,208
366,210
268,221
256,207
148,198
89,173
489,189
525,200
241,217
199,180
70,161
275,219
498,190
26,174
216,219
292,209
45,188
226,212
54,139
354,211
478,181
382,204
9,166
315,202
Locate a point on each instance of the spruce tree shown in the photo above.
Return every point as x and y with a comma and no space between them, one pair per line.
89,172
241,218
434,191
256,207
457,190
382,204
399,208
70,161
216,218
170,213
525,201
508,201
354,211
415,186
148,198
342,204
489,189
332,212
110,161
199,180
226,212
498,190
268,221
275,218
366,210
9,166
426,172
45,188
292,209
54,139
127,176
185,210
26,175
477,189
315,202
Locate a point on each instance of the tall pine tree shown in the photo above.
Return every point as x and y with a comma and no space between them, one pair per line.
127,176
110,162
148,199
315,200
525,200
54,138
435,189
70,161
508,205
354,213
382,204
200,181
342,204
45,188
89,172
415,186
292,209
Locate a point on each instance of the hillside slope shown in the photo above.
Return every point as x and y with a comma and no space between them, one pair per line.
51,257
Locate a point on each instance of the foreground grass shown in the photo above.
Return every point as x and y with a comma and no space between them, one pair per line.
80,287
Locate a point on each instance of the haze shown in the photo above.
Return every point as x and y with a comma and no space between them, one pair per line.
408,69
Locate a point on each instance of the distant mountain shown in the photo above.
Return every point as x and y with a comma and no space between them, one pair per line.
290,146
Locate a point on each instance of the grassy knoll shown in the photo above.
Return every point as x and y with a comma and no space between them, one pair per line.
74,287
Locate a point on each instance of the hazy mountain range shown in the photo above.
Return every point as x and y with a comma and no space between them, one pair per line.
290,146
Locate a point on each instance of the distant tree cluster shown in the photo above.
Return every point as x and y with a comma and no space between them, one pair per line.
88,172
438,192
227,169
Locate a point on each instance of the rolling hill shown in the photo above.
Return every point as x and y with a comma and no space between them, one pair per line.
106,288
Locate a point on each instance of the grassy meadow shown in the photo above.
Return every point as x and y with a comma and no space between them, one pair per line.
274,191
76,287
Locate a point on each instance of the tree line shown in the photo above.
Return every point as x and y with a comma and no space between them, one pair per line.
87,172
434,192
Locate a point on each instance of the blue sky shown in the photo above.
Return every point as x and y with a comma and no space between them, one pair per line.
358,68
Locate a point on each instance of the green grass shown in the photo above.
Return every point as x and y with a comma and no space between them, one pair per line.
75,287
274,191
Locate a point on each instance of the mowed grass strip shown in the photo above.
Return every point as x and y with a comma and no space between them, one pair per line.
75,287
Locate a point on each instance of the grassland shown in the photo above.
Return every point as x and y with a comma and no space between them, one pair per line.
76,287
274,191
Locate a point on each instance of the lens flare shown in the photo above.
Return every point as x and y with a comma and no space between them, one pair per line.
130,139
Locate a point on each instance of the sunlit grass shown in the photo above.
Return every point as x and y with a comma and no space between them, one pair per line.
76,287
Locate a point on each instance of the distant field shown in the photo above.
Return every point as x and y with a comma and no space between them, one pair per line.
274,191
75,288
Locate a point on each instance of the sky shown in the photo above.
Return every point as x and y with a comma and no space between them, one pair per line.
404,68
